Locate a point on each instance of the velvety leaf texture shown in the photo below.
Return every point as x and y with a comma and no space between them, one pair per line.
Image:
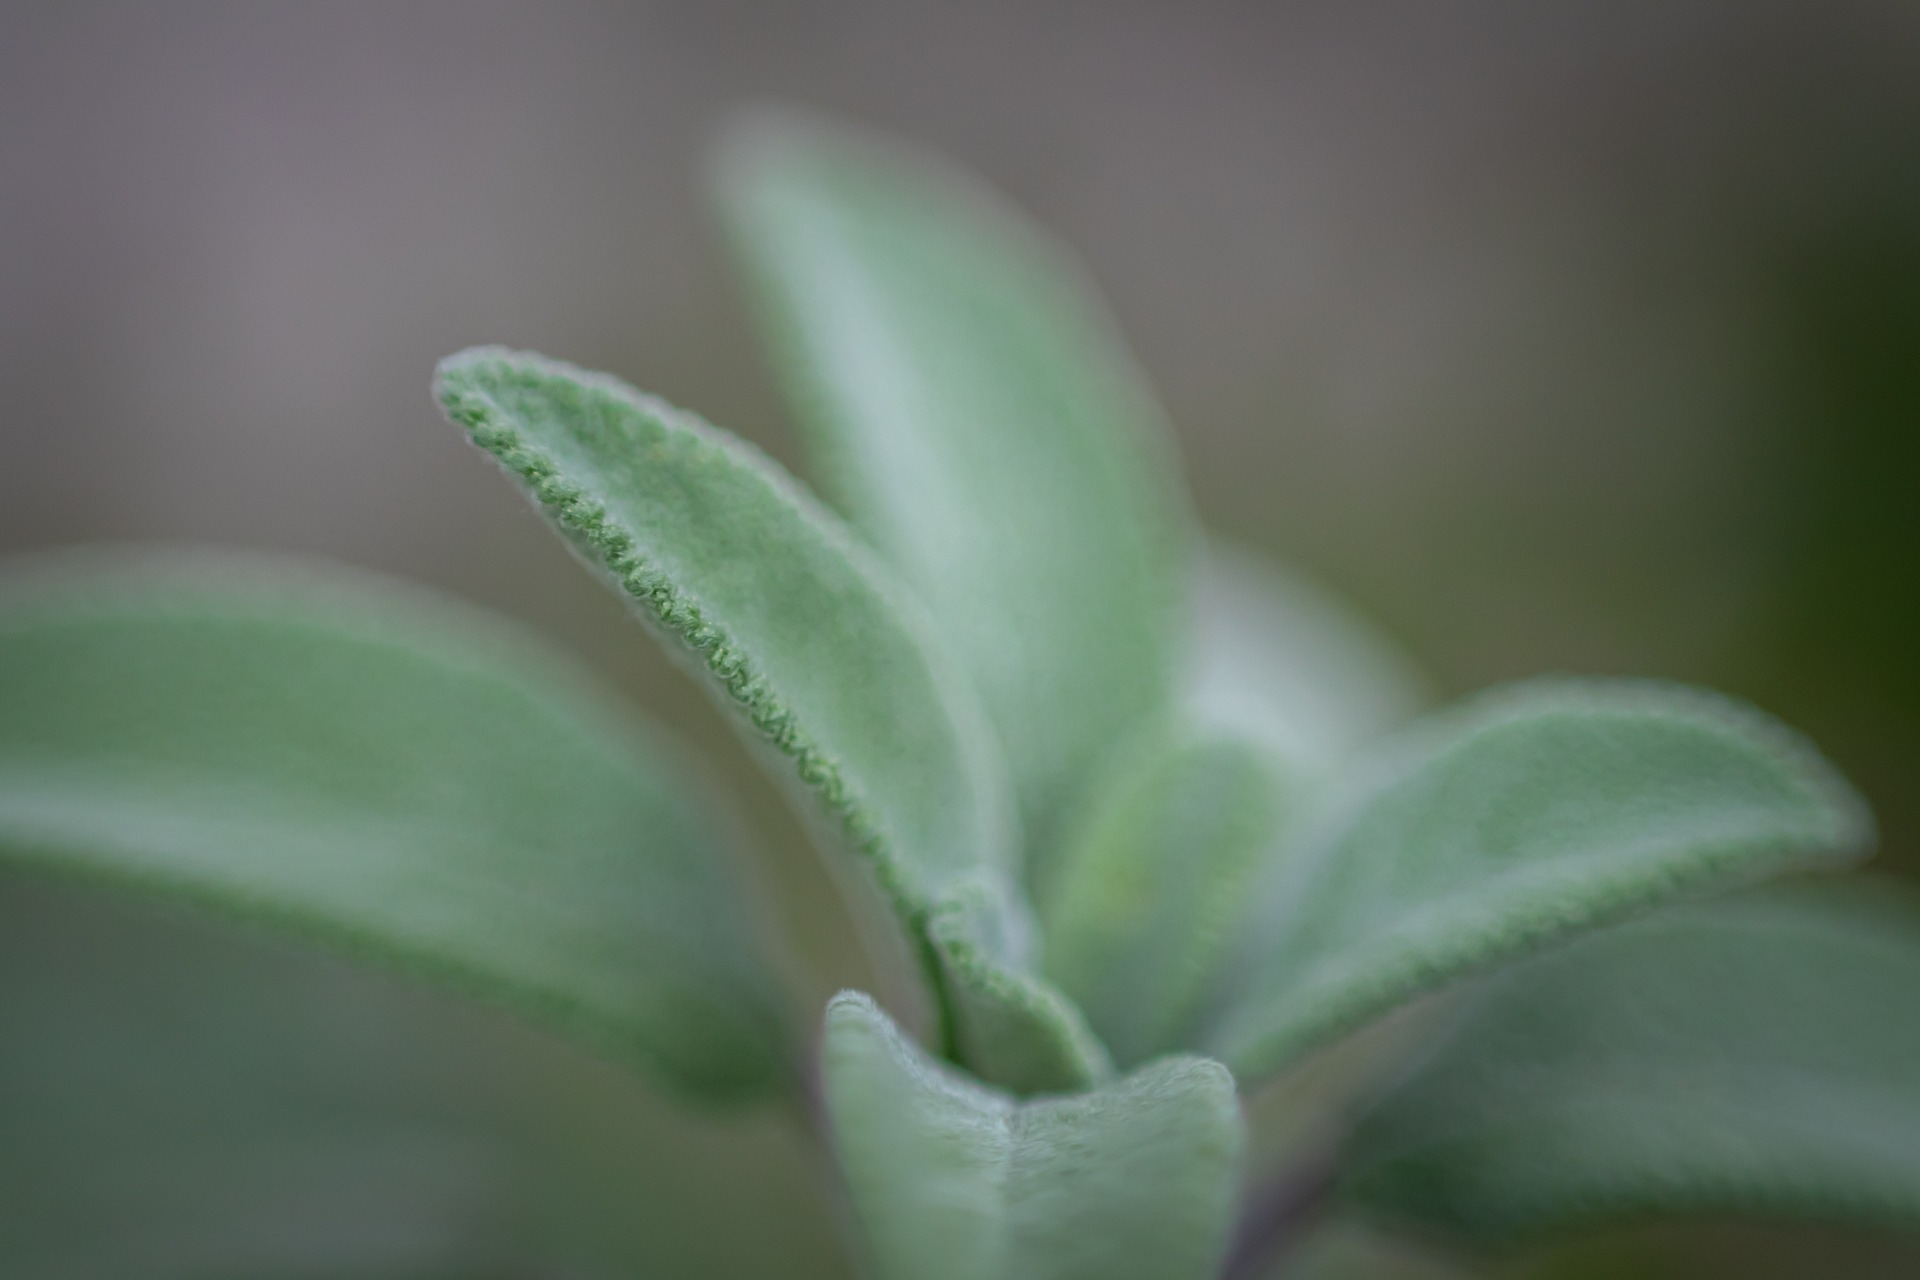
1491,830
769,596
801,633
1757,1056
978,420
952,1181
1140,910
397,776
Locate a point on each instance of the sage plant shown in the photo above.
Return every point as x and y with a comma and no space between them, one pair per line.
1161,828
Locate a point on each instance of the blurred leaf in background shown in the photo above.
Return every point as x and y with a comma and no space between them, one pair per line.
1565,336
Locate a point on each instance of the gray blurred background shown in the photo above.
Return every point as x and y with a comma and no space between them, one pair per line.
1560,337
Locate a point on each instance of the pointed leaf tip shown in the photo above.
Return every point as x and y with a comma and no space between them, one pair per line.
791,622
1752,1057
803,633
1519,820
976,418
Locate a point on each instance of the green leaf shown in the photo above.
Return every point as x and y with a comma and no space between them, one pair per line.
186,1100
792,623
1011,1027
1279,660
1141,908
801,633
977,419
952,1181
404,779
1513,822
1757,1057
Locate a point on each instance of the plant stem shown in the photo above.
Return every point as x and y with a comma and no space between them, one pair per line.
1277,1217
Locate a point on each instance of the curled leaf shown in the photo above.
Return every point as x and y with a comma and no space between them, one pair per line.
952,1181
1013,1027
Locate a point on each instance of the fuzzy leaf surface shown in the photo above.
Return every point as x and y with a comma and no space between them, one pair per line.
1140,910
977,419
1753,1057
1489,831
952,1181
769,597
801,632
402,778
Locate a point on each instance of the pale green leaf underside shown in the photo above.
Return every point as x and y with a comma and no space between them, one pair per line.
951,1181
1755,1057
1140,908
1279,660
1491,830
402,778
772,600
978,420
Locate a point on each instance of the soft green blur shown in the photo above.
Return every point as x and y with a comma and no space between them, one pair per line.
1561,337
